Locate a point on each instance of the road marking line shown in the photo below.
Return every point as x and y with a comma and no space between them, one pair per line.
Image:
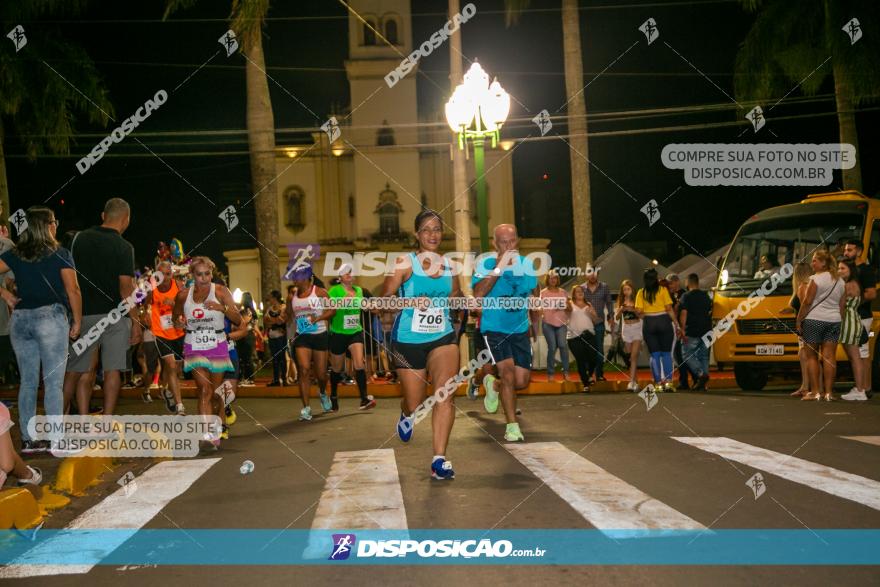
362,491
118,511
875,440
828,479
605,501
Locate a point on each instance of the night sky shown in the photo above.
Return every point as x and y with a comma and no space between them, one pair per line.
306,44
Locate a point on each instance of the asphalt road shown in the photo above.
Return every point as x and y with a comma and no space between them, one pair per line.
495,489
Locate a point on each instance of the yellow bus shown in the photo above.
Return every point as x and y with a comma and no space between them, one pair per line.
762,342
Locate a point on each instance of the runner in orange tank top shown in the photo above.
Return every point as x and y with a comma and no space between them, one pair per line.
169,338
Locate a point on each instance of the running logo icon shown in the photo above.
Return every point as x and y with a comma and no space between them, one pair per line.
543,122
757,485
16,35
127,483
343,544
853,29
756,117
650,30
649,396
300,256
19,221
229,218
652,211
230,44
331,127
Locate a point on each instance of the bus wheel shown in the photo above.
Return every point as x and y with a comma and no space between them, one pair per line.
750,377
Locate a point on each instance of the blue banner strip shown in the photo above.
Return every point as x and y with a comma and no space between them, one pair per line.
432,547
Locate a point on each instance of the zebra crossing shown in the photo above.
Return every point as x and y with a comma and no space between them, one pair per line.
364,490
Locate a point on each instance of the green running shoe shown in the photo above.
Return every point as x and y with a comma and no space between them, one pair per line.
513,433
490,401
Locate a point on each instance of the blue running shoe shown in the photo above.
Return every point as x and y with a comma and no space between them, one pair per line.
405,427
325,402
442,469
473,388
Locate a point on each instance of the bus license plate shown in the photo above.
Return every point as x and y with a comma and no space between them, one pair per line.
769,349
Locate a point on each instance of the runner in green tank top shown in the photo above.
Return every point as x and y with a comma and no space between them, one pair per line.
347,334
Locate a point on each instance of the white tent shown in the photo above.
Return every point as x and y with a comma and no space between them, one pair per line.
706,268
684,262
618,263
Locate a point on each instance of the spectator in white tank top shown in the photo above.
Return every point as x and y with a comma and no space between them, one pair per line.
818,324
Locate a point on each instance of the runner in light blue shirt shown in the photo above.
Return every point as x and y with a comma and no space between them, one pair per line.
507,279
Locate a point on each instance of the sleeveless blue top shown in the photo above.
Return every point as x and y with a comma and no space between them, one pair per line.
427,327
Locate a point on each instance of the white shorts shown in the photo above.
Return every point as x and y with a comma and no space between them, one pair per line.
631,332
864,350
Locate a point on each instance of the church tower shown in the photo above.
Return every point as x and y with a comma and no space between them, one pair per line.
383,119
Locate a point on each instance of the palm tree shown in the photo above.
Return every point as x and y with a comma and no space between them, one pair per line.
37,105
789,47
246,20
582,215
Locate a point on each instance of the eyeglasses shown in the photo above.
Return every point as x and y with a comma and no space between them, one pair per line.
203,274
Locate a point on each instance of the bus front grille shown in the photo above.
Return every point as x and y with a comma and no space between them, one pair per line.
766,326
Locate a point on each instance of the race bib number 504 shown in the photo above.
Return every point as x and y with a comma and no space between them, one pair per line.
204,341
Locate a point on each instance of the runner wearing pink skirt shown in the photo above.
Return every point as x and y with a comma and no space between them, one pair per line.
201,310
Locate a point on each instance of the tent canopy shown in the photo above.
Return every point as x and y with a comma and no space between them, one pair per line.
705,267
618,263
684,262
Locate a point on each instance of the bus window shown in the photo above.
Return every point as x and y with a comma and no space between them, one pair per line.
874,245
789,239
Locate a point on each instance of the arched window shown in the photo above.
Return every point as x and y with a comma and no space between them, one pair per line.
391,30
389,219
389,210
370,31
294,208
385,135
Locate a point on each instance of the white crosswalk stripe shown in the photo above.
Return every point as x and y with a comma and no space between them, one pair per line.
362,491
828,479
155,488
604,500
875,440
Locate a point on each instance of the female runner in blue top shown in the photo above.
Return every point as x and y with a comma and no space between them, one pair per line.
423,340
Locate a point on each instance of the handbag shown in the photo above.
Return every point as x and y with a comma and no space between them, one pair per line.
618,347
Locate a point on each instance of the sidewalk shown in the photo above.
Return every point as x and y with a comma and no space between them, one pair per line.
617,381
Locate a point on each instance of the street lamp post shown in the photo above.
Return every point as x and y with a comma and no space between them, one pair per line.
476,111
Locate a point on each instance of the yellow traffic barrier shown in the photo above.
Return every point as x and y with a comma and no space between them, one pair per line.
19,509
77,473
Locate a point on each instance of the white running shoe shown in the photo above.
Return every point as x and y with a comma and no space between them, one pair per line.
633,386
855,395
305,414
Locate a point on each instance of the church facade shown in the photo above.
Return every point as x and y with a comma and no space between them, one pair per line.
362,191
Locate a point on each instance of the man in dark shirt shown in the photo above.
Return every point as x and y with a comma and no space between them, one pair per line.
867,278
673,284
695,317
599,295
105,265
